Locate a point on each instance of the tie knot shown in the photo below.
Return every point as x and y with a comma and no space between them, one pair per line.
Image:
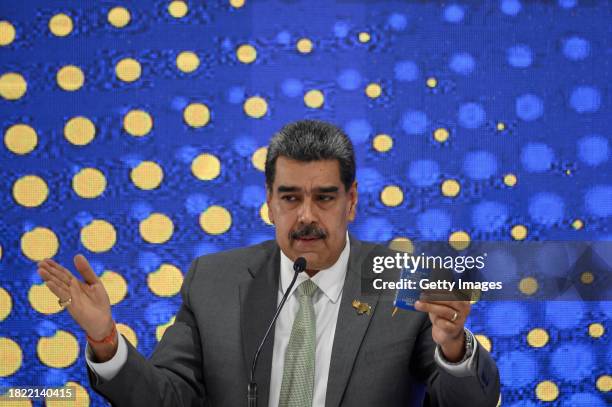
307,288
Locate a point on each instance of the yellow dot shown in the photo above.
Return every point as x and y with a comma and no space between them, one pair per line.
99,236
161,329
459,240
178,9
11,357
304,46
187,61
59,351
518,232
70,78
81,398
119,17
510,180
137,123
30,191
115,286
450,188
402,244
264,213
547,391
196,115
6,304
157,228
314,99
373,90
578,224
215,220
206,167
432,82
147,175
128,332
501,126
39,244
79,131
259,158
537,337
89,183
484,341
441,135
165,281
255,107
392,195
0,252
364,37
128,70
12,86
528,285
43,300
7,33
587,277
604,383
20,139
382,143
60,25
246,53
596,330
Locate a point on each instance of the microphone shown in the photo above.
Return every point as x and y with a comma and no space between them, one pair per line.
298,267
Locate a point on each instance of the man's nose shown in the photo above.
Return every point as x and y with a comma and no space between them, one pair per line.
307,211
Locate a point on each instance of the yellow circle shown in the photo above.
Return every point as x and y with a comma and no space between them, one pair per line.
206,167
159,331
578,224
537,337
450,188
60,25
304,46
587,277
115,286
459,240
128,332
147,175
30,191
547,390
128,70
364,37
79,130
441,135
178,9
264,213
431,82
137,123
70,78
255,107
510,180
89,183
7,33
501,126
39,244
528,285
99,236
373,90
187,61
59,351
596,330
484,341
392,195
157,228
604,383
518,232
11,357
382,143
119,17
81,398
12,86
402,244
43,300
196,115
246,53
20,139
259,158
215,220
314,99
237,3
165,281
6,304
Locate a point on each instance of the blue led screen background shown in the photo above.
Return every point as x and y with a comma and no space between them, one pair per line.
134,132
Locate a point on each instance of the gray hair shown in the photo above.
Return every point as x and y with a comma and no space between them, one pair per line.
312,140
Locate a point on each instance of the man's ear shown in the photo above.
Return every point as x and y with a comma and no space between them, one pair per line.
269,203
353,198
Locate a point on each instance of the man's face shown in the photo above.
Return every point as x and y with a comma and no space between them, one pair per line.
311,210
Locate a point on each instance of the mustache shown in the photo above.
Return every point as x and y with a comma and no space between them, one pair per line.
309,231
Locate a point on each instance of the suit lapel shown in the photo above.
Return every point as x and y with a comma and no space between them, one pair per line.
258,300
350,328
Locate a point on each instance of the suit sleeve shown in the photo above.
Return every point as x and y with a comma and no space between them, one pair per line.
173,374
481,388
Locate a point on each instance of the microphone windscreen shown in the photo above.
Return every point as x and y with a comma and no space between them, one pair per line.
299,265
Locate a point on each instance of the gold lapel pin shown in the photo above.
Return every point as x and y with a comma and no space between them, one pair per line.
362,307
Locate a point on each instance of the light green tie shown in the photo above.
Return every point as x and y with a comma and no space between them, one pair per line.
298,374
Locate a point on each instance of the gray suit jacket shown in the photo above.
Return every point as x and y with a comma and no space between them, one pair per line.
229,298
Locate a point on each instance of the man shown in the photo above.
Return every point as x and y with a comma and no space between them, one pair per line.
322,352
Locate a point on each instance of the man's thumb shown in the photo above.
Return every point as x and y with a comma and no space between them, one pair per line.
82,265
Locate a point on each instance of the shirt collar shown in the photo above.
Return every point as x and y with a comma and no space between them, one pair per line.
330,281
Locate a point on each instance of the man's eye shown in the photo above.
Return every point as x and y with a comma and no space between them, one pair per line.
326,198
288,198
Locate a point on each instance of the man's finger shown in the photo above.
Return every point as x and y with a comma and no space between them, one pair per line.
47,276
459,306
82,265
51,267
445,325
439,310
59,292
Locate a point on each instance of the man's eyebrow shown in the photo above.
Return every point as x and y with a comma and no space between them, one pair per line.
327,190
285,188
